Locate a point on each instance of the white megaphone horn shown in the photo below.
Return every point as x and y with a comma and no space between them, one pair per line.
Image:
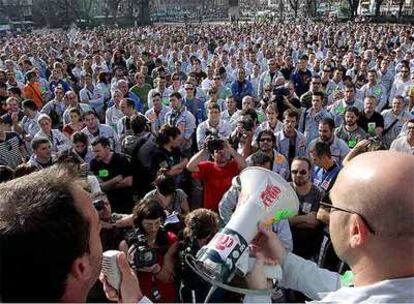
264,195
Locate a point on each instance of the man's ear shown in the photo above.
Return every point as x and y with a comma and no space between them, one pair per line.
358,231
81,268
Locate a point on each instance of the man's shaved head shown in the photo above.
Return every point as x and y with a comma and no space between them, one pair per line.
375,237
379,185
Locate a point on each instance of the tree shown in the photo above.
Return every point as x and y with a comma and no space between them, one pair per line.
294,4
378,4
353,5
400,7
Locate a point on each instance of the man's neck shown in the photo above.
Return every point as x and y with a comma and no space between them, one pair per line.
304,189
290,133
369,114
108,158
351,128
41,160
368,271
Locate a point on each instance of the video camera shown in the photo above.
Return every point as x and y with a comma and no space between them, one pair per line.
142,255
213,141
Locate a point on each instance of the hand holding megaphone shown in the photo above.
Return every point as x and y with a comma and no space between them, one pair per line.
264,196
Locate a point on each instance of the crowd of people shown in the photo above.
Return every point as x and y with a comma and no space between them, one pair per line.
159,122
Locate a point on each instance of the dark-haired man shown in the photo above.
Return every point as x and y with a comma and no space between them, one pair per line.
114,173
56,219
324,176
181,118
349,131
339,149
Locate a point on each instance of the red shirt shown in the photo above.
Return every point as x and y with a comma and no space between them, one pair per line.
166,290
217,180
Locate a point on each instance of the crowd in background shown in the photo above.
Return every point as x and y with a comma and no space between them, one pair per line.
161,120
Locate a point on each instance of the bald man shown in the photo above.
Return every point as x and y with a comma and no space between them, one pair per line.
372,230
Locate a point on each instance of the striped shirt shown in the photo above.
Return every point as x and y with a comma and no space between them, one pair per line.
10,154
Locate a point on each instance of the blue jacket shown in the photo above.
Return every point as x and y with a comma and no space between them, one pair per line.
241,89
197,108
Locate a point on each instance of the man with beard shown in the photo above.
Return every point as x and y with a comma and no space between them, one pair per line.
339,149
349,131
216,174
306,231
370,120
56,219
266,142
289,141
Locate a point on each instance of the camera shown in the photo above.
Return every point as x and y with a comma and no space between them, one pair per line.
213,141
281,91
99,205
141,254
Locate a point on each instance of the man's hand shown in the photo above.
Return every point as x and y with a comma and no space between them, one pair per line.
256,279
153,269
269,245
130,291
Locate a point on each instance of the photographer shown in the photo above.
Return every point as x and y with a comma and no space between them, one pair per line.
213,123
171,199
242,137
200,227
152,251
216,174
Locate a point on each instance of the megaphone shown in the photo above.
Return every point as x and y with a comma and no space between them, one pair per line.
264,196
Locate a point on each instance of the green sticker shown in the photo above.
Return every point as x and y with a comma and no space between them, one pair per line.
352,143
340,109
377,91
283,214
103,173
347,278
165,101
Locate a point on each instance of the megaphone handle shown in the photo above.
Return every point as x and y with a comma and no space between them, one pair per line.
270,271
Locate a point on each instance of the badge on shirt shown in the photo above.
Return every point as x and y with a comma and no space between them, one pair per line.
279,159
103,173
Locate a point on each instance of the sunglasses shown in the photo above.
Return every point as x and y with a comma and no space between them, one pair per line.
300,172
329,207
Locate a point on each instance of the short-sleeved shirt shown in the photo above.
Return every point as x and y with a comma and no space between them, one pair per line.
10,154
120,199
370,124
306,241
217,180
351,138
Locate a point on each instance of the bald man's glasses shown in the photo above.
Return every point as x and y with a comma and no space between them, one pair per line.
329,206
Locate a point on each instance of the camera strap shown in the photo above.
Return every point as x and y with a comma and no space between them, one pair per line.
389,127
